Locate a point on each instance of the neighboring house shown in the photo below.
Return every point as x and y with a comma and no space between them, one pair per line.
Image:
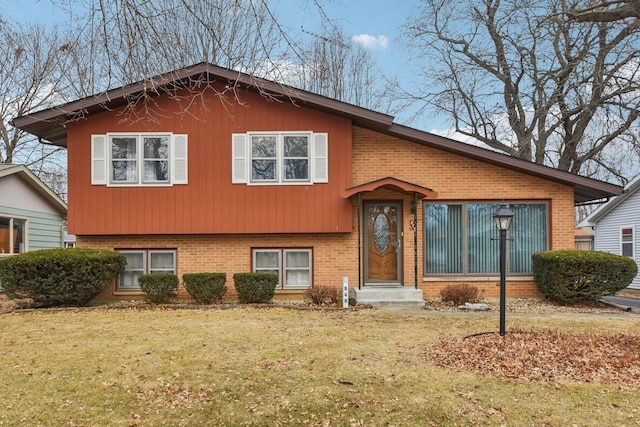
584,239
32,216
616,225
297,184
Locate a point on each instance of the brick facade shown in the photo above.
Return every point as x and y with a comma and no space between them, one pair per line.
335,255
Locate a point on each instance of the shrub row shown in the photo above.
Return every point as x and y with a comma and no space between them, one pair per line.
73,277
206,288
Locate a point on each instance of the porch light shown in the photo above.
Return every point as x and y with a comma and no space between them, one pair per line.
503,217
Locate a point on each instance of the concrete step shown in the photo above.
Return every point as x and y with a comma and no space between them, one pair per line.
379,296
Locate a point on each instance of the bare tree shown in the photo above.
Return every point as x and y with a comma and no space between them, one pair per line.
605,11
30,78
336,67
520,78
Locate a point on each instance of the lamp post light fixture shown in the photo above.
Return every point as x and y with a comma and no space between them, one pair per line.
503,217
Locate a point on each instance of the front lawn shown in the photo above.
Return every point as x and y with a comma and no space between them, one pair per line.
278,366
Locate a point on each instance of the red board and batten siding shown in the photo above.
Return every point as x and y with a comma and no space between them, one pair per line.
209,203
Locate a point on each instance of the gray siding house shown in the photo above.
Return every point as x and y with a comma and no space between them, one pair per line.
616,225
32,216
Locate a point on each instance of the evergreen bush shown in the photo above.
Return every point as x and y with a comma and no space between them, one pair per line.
255,287
158,287
205,288
60,277
572,276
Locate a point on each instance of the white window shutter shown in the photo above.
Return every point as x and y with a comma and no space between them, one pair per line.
239,158
320,157
98,159
179,170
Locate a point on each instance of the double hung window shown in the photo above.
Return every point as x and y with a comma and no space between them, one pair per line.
462,239
145,262
139,159
271,158
627,241
12,235
293,266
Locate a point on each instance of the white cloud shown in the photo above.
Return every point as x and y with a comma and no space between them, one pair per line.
372,42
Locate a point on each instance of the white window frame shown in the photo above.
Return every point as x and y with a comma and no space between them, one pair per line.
317,158
631,243
25,233
283,268
280,158
102,160
146,265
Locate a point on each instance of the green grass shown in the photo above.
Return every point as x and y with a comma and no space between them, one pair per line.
275,366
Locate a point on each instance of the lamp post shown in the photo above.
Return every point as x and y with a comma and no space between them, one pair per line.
503,217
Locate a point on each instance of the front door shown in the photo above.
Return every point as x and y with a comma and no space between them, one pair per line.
383,239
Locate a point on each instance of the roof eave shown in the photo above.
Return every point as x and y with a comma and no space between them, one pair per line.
585,189
50,124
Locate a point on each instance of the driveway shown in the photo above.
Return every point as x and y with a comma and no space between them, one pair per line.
624,303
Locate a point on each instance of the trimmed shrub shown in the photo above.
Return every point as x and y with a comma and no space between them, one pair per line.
459,294
572,276
205,288
322,295
255,287
60,277
158,287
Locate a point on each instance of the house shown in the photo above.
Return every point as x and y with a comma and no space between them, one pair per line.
32,216
297,184
615,225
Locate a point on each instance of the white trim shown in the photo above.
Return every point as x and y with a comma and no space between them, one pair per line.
282,269
99,160
239,158
320,158
146,265
309,253
317,158
102,163
632,242
179,172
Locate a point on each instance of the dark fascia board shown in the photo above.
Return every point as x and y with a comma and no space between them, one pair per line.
585,189
50,124
595,216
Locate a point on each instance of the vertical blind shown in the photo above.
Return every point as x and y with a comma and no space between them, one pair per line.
463,239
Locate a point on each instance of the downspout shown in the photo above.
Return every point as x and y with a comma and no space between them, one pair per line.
414,209
359,248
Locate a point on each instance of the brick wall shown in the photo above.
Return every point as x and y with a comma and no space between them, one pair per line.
375,156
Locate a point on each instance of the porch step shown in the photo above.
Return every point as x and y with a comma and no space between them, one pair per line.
379,296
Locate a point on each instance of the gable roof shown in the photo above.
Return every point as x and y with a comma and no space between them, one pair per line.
50,124
602,210
7,169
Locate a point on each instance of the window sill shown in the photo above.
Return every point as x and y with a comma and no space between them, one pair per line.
291,291
127,292
519,278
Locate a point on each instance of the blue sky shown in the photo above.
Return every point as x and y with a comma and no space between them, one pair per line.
373,23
